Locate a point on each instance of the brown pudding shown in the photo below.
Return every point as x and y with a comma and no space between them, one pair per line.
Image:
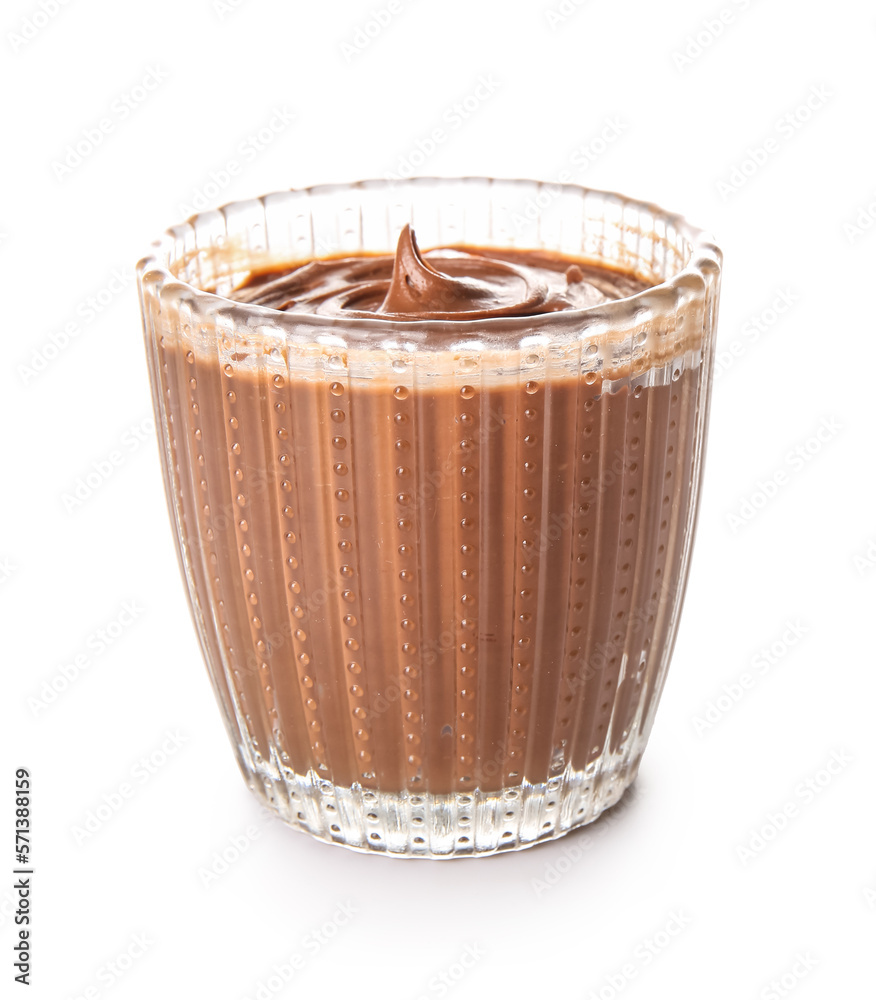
432,585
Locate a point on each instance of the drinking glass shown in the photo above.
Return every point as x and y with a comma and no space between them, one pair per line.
436,567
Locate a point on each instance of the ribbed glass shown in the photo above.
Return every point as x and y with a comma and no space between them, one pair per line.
436,568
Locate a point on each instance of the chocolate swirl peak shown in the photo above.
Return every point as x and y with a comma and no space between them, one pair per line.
444,284
481,287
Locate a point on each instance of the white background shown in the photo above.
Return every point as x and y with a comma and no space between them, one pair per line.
601,92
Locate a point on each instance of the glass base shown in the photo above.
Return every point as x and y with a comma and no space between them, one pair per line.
456,825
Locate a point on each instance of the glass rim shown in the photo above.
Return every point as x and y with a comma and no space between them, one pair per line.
702,267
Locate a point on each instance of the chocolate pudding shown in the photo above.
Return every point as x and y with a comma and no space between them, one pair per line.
441,577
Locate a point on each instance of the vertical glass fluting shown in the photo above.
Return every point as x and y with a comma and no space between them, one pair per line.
436,571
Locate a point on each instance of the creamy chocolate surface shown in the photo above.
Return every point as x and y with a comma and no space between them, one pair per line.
432,585
446,284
